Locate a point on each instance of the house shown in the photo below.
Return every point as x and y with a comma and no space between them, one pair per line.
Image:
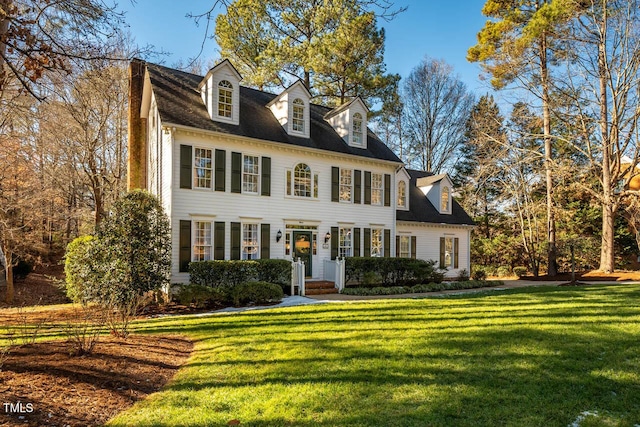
246,174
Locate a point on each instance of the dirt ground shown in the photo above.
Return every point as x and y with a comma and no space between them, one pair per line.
42,287
47,386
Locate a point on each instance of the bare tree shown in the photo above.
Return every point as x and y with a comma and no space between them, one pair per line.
437,106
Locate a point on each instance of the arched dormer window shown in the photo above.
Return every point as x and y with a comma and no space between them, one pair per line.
402,194
298,115
444,200
357,129
302,180
225,99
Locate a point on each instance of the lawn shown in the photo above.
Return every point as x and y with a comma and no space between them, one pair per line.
534,357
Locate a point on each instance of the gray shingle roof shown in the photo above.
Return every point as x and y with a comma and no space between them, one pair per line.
179,103
421,209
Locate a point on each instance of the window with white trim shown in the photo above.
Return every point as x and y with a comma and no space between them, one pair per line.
345,242
225,99
377,249
444,199
448,252
405,247
302,182
402,194
250,174
250,242
202,241
357,129
346,185
297,122
376,189
202,164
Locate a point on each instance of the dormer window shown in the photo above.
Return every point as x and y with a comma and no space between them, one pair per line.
225,99
357,129
298,115
402,194
444,200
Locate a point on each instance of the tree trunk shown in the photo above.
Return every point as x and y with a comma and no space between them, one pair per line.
9,271
607,260
552,252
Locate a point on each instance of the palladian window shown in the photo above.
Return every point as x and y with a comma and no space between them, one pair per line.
225,99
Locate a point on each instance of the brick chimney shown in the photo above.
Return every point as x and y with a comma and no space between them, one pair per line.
137,147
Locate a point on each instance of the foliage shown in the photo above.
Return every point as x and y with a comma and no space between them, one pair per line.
222,274
200,295
274,271
503,271
390,271
83,331
79,267
520,271
256,293
463,275
478,274
421,288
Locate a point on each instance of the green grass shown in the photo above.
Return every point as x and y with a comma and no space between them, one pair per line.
539,357
534,357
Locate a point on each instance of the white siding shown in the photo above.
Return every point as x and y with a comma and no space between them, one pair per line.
278,210
224,72
428,242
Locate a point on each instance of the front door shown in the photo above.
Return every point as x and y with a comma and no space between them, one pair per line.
302,249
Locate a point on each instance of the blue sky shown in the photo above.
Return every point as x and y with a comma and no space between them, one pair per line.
441,29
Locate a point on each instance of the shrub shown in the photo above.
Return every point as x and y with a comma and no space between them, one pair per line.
391,271
479,274
199,295
79,267
503,271
276,271
520,271
421,288
256,293
463,275
223,274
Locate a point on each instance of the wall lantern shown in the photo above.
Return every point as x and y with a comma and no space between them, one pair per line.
278,235
327,237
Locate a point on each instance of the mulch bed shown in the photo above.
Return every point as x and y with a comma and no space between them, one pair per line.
41,287
67,390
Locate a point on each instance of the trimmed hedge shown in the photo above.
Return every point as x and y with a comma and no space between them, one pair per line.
391,271
199,295
227,274
421,288
256,293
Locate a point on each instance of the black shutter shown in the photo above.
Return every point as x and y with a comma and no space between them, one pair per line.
221,169
185,246
367,188
387,243
265,241
235,240
414,247
456,246
265,185
367,242
236,172
186,166
335,184
357,186
218,240
442,252
397,246
387,189
356,242
334,242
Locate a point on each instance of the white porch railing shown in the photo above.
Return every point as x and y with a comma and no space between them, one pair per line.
334,271
297,277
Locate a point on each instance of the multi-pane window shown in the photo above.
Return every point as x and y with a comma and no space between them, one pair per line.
357,129
402,194
376,189
250,174
345,185
202,241
376,242
225,99
298,115
202,164
250,243
345,243
405,247
444,201
302,180
448,252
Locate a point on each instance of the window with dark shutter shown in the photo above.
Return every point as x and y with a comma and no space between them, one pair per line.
356,242
387,190
236,172
397,246
387,243
186,165
414,247
265,241
235,240
218,240
185,246
266,177
335,184
367,188
442,252
357,186
220,176
335,237
456,247
367,242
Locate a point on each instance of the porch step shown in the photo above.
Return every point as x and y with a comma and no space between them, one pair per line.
320,287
